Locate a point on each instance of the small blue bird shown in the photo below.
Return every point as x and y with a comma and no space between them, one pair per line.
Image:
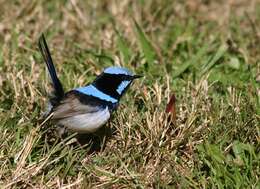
86,109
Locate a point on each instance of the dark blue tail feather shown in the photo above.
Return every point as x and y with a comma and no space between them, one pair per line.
58,89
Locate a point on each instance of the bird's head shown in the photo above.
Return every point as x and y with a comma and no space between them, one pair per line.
114,81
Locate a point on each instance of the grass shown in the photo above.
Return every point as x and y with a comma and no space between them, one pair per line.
206,54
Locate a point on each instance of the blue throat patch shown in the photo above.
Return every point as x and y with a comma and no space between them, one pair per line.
122,86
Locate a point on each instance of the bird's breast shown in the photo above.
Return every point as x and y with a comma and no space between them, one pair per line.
86,122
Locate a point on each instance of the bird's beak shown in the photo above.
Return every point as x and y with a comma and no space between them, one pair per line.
137,76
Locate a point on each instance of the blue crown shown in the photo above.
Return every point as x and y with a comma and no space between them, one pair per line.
118,70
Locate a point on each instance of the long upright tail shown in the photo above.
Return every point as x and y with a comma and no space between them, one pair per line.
58,89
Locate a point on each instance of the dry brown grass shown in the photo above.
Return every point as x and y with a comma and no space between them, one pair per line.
146,149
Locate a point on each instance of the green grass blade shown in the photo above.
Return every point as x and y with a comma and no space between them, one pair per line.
220,53
146,45
192,61
123,47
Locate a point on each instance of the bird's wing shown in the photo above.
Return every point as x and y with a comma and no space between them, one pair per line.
71,106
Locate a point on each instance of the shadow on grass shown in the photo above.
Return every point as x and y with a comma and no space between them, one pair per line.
94,142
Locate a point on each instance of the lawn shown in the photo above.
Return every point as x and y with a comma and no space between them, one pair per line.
203,54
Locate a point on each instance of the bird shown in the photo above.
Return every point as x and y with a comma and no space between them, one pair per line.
85,109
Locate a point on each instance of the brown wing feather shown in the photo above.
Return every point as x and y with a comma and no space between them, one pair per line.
71,106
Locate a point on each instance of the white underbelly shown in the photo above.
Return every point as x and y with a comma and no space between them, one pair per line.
86,123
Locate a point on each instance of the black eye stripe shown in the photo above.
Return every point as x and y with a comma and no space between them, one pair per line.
109,83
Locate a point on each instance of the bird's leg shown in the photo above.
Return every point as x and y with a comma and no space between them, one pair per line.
61,130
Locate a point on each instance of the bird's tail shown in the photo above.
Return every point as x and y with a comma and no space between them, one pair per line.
58,92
